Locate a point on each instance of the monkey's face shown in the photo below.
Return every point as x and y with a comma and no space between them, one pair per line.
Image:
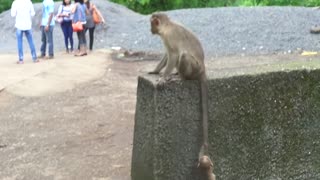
155,23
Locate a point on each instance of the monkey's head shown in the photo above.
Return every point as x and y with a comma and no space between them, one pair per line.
205,163
158,21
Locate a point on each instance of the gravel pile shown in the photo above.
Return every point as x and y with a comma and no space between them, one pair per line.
223,31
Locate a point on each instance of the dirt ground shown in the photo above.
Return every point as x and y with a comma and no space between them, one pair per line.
73,117
69,118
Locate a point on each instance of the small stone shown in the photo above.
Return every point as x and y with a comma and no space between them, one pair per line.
120,55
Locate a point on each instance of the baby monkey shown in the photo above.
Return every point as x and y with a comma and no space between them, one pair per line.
206,167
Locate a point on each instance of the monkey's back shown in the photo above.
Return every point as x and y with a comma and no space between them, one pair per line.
188,42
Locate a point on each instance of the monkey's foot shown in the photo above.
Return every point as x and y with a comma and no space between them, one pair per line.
153,72
175,74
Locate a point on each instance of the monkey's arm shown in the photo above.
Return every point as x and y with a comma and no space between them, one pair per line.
161,65
170,65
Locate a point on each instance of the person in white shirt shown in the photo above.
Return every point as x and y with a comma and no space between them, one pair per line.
23,11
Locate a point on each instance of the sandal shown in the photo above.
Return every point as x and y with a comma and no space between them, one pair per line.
41,57
81,54
49,57
20,62
315,29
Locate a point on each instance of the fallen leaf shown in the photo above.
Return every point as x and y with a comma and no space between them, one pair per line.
308,53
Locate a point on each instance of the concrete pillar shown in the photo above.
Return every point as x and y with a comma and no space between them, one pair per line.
263,126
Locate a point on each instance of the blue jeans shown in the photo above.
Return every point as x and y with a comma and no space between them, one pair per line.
28,33
67,32
46,37
82,37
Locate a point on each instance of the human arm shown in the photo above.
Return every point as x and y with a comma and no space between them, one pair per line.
49,22
51,10
99,13
13,9
74,8
59,13
32,12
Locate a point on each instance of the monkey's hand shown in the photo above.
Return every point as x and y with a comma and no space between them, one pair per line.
163,80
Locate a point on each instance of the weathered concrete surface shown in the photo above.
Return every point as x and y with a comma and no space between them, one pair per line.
261,126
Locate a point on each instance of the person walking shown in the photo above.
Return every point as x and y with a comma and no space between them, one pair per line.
47,25
90,25
23,11
64,13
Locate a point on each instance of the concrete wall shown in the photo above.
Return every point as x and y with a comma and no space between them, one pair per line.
264,126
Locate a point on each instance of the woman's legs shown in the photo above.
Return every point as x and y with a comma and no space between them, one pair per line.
82,43
64,27
69,34
91,36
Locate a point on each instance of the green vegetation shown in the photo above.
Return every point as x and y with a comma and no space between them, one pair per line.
149,6
6,4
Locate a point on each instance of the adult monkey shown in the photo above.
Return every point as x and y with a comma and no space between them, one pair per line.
185,53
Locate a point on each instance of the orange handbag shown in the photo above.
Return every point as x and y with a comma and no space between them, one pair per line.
96,17
78,26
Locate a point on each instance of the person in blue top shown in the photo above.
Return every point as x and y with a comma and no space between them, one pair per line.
47,25
79,14
64,12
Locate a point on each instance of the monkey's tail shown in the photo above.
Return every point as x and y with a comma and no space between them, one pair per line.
205,112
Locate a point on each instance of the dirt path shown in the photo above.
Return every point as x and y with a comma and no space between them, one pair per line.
49,77
80,126
79,132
